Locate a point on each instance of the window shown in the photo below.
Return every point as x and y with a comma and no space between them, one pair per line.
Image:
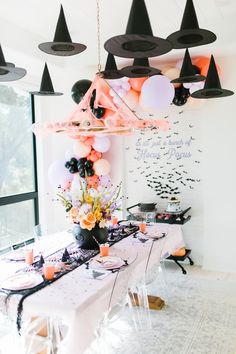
18,173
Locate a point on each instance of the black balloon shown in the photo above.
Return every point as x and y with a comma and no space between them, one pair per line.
90,172
73,169
67,164
79,89
181,96
92,100
73,161
82,172
88,164
99,112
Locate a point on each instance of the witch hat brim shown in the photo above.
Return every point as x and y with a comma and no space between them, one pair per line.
190,35
11,73
212,87
187,73
46,87
140,68
138,41
62,44
111,72
62,48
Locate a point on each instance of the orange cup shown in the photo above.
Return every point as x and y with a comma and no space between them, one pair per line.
114,221
48,271
104,250
29,256
142,227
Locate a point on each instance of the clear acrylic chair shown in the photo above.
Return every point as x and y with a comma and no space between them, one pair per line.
150,271
42,334
113,329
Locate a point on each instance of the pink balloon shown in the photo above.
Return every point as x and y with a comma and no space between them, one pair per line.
101,167
58,174
157,92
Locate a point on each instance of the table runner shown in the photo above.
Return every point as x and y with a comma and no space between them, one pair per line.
76,257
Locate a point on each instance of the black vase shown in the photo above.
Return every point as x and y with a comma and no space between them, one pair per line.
85,238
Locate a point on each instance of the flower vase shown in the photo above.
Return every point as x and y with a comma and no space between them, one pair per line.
86,238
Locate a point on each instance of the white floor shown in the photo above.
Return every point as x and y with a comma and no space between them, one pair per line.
199,317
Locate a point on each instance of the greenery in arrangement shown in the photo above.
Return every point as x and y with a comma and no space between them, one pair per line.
90,207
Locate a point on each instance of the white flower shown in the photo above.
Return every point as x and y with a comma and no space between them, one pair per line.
84,209
102,223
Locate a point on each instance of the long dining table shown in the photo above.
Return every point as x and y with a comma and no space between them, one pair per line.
78,299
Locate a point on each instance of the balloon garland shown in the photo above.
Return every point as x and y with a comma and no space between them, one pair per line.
89,163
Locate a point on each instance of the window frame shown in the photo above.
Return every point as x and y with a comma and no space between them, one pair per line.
17,198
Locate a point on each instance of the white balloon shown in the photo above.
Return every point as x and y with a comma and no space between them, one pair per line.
101,144
188,85
157,92
58,174
81,149
194,88
125,86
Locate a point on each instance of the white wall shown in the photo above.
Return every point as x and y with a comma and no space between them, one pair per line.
211,231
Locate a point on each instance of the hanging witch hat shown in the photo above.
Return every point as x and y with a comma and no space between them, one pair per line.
8,71
140,68
111,72
138,41
187,73
62,44
212,87
46,87
190,35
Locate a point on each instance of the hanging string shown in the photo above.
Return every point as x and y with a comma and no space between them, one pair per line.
98,36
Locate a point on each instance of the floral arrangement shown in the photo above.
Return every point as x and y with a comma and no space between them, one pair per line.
90,207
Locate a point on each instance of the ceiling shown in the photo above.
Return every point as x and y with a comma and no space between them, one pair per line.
24,24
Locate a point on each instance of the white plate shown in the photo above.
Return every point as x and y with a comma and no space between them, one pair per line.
22,281
109,262
18,255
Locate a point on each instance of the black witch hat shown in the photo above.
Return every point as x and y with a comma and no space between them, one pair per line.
140,68
62,44
187,73
212,87
8,71
190,35
111,72
46,87
138,41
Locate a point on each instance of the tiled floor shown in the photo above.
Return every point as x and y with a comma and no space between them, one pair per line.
199,316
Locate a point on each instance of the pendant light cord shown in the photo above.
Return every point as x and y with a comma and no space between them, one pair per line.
98,36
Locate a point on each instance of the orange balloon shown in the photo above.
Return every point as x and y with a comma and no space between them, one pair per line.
137,83
203,64
108,113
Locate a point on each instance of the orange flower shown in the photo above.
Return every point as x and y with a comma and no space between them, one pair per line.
86,225
90,218
73,213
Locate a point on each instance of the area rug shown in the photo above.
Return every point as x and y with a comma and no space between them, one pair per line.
199,318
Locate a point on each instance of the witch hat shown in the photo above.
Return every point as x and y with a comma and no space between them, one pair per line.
140,68
8,71
190,35
46,87
187,73
212,87
62,44
111,72
138,41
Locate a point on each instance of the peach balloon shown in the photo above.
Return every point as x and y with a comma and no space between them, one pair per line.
101,167
137,83
173,73
80,149
93,181
131,99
